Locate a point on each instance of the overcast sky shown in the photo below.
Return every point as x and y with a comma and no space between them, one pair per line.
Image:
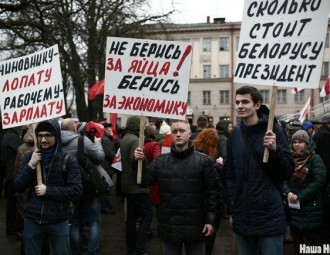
196,11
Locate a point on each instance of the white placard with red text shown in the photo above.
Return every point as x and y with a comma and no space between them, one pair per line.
147,77
31,88
282,43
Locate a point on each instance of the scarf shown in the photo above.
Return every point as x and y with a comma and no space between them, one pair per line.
300,170
47,156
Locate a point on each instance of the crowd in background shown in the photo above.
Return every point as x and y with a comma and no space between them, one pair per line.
308,144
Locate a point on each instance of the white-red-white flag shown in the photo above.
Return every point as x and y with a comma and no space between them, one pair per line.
295,90
326,88
304,111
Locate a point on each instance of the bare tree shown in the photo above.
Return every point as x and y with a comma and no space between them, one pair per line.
79,28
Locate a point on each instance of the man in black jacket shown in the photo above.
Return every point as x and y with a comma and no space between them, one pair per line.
189,193
47,208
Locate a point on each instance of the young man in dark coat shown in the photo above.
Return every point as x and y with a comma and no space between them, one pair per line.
189,193
254,188
48,205
137,198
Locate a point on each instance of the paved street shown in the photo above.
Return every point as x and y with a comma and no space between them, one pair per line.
113,236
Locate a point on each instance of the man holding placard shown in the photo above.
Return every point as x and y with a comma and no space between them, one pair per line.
48,205
254,187
189,189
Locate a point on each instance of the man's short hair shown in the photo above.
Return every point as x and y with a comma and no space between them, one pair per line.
255,94
183,121
67,124
202,122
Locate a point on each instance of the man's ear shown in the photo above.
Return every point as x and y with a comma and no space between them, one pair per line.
258,105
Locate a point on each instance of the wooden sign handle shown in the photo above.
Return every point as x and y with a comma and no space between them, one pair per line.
141,144
38,167
270,120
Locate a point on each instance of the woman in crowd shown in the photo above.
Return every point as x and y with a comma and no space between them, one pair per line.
304,192
207,142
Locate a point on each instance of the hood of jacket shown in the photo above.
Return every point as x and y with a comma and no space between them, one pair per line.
54,123
222,127
29,137
133,125
68,136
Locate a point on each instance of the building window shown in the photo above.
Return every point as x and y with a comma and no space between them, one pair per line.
265,96
206,71
206,44
326,45
189,98
224,71
224,96
207,97
325,68
224,43
299,97
237,42
281,96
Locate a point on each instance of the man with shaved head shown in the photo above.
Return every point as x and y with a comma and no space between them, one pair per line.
83,210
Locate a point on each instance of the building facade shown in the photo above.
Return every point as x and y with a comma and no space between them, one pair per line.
211,89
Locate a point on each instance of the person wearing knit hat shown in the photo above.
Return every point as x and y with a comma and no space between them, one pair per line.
45,126
50,190
165,129
80,128
308,127
304,191
301,135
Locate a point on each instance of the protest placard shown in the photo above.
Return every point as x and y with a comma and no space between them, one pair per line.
31,88
147,77
282,43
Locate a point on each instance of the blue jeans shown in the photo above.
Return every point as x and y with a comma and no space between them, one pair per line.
191,248
57,233
86,213
138,206
270,245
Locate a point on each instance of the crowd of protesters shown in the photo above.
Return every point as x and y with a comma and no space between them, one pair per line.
192,176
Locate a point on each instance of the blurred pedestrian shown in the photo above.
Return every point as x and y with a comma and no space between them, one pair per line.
207,142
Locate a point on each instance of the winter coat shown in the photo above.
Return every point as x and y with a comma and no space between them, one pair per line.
109,153
310,195
253,192
62,186
151,151
128,144
222,129
9,146
189,193
322,142
26,147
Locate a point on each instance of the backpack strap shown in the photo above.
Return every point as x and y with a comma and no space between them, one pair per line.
64,168
80,146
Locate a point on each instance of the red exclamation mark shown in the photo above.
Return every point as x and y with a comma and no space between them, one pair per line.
185,54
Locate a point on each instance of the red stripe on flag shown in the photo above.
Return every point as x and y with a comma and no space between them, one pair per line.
326,88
